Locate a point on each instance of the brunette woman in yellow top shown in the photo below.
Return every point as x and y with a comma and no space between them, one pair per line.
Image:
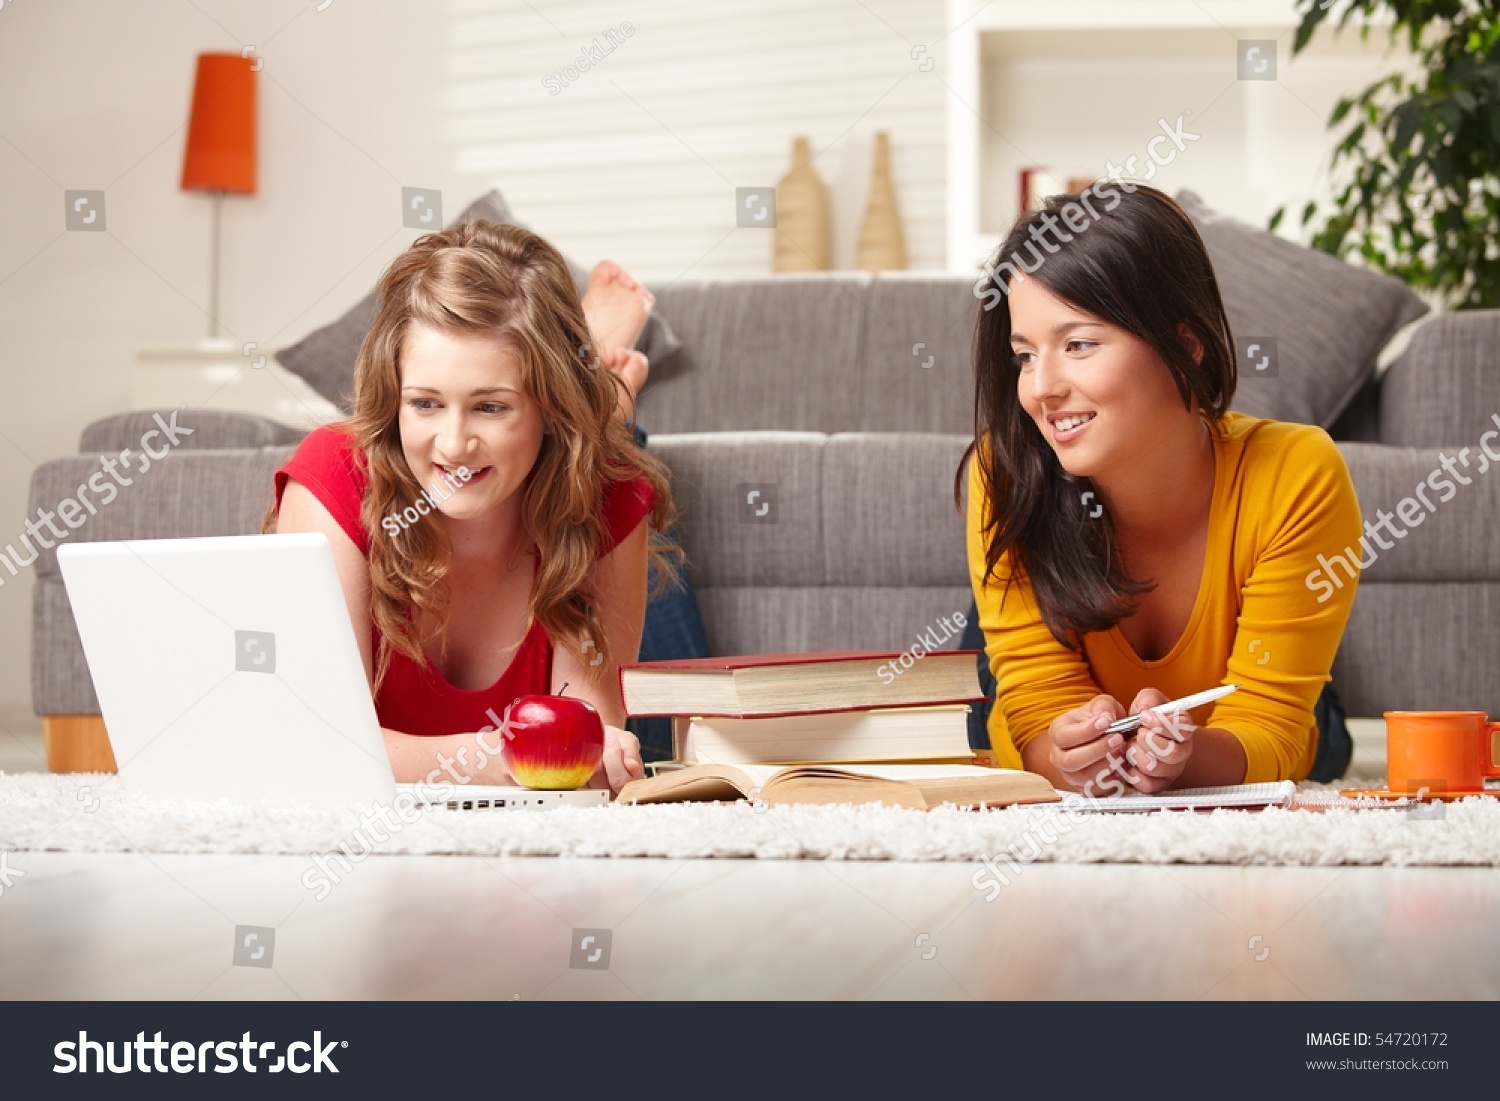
1130,540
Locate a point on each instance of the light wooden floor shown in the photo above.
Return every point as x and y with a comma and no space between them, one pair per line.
155,926
82,926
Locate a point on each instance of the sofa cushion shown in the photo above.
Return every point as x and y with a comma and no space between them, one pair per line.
917,373
889,517
751,505
1328,320
1421,646
326,357
1454,539
762,354
774,620
1444,389
864,548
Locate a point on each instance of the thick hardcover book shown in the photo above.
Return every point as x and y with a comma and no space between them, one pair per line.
791,684
897,734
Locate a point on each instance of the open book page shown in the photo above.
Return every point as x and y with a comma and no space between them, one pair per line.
759,774
909,785
913,772
692,784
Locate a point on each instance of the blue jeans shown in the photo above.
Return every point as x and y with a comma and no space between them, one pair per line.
979,713
673,629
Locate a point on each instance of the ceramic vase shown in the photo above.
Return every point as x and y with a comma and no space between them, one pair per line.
801,215
882,247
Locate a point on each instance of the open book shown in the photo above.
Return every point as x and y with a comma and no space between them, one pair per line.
920,786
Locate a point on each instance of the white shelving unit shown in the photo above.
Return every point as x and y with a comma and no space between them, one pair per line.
220,374
1071,85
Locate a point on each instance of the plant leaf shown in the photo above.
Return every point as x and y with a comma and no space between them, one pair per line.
1407,118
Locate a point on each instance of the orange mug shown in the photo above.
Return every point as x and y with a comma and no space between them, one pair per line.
1443,751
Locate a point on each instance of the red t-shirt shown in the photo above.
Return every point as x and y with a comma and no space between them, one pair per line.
418,699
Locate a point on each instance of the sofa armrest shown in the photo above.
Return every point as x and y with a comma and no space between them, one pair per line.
183,494
1455,504
197,430
1444,389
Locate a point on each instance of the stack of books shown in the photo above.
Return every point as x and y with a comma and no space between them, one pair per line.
828,727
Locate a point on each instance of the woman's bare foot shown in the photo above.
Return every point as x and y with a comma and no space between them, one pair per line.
616,307
632,367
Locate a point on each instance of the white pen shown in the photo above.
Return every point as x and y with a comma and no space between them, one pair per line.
1187,703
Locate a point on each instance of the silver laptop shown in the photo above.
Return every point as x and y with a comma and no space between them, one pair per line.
226,668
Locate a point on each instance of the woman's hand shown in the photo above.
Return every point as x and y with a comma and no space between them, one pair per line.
1080,749
456,760
1161,746
622,760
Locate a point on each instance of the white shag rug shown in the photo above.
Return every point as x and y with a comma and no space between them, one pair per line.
87,813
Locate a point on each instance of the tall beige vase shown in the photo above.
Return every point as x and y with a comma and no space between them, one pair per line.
801,215
882,247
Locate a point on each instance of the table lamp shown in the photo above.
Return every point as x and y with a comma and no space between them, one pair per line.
220,154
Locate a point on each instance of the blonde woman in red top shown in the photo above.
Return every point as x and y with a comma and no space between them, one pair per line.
485,501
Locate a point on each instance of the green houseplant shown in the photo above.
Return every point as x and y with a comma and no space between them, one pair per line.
1419,193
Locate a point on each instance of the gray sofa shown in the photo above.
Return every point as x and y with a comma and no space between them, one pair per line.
847,401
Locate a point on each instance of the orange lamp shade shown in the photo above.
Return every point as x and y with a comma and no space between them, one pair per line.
221,133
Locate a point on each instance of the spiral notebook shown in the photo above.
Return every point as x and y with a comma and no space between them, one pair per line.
1238,796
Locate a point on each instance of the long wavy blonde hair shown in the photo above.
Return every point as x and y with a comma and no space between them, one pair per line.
506,282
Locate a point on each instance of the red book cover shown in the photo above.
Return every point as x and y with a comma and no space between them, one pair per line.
751,661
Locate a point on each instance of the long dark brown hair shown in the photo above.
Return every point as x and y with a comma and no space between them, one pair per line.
1140,265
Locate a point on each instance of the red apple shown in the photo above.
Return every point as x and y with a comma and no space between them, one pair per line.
552,743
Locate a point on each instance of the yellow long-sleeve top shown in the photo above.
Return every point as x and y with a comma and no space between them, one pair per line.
1282,497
